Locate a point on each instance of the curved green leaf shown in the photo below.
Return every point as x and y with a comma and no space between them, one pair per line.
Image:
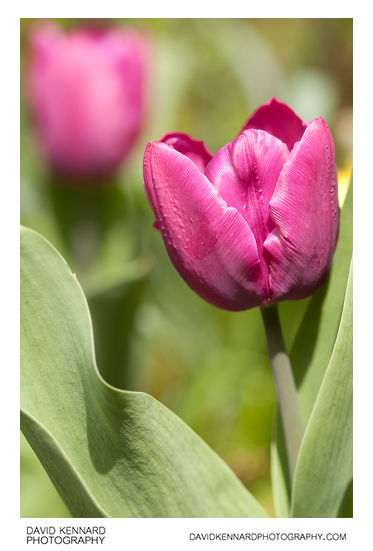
108,452
316,337
38,496
324,466
312,348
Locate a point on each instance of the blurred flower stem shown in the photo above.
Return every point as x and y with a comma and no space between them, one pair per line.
285,386
85,215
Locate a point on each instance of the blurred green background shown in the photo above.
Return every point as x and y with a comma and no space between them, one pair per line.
152,332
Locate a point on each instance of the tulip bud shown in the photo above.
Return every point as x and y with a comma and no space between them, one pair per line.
256,223
86,88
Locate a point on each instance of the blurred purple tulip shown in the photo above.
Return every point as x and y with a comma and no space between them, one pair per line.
87,91
257,223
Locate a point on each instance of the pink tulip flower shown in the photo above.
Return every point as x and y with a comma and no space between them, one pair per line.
256,223
86,88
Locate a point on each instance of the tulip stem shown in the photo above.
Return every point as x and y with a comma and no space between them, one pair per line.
285,386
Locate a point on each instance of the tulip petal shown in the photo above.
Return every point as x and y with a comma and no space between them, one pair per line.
304,208
188,146
279,120
210,244
245,173
87,91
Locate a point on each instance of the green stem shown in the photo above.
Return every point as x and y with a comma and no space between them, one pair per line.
285,386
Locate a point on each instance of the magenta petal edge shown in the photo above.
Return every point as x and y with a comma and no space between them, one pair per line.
257,222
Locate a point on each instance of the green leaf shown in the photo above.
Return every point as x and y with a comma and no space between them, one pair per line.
312,348
346,510
316,337
324,466
38,497
109,453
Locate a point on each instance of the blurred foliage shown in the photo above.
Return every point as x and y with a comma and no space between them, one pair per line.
209,366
